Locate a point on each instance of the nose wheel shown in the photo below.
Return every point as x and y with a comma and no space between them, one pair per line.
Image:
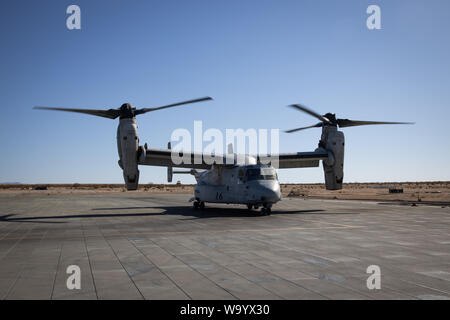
266,210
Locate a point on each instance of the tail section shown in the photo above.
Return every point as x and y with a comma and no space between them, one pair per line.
171,172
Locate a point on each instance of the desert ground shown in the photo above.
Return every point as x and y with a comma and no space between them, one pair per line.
434,193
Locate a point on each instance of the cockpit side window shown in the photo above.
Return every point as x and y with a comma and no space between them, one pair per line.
261,174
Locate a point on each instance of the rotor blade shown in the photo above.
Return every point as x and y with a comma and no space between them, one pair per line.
144,110
309,111
111,113
318,125
353,123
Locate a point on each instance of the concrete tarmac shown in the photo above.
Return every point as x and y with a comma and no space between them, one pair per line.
156,246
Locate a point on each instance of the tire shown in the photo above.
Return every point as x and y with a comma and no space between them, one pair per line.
249,207
267,208
196,204
202,205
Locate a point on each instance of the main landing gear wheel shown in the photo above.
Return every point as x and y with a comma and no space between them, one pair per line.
199,205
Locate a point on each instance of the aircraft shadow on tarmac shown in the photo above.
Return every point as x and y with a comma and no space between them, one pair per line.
209,212
10,218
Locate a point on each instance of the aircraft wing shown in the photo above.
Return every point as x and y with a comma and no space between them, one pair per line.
296,159
196,160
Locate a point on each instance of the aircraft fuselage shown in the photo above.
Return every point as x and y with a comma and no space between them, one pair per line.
252,185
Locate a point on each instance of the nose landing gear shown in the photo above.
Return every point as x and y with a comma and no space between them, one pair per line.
266,210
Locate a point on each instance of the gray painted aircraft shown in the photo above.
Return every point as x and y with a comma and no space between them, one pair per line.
232,179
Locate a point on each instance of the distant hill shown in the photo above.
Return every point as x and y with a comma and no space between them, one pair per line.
10,183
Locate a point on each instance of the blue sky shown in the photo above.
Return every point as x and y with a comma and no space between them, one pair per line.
253,57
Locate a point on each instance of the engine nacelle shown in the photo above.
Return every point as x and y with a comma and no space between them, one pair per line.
131,182
128,149
333,142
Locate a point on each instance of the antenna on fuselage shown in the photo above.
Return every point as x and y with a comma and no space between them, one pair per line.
230,148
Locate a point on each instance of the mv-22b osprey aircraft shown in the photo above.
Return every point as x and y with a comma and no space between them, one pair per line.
232,179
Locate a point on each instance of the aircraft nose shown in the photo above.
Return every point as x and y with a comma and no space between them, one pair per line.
270,195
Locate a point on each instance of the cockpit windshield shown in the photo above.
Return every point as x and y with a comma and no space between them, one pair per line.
261,174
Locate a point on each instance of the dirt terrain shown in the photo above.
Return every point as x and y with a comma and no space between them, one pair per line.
408,192
437,193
